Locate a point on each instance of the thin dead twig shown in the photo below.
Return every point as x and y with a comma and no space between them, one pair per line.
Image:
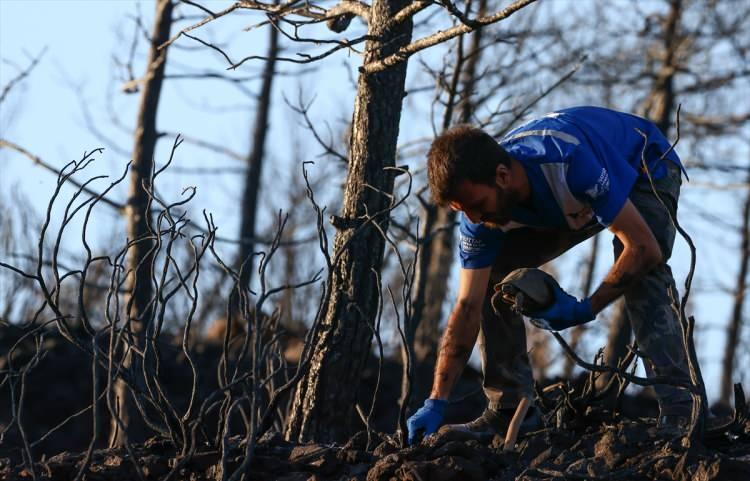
21,75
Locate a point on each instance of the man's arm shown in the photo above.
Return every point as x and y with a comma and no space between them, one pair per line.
461,333
641,253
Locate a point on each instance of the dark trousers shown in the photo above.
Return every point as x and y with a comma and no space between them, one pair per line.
502,339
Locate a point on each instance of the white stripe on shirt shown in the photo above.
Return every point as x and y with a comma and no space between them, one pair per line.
577,214
564,136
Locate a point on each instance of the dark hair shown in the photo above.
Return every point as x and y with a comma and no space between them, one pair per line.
462,153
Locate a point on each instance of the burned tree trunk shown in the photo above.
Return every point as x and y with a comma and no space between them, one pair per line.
255,162
735,323
140,287
325,397
659,106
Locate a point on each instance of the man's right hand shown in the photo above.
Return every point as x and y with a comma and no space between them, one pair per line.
427,419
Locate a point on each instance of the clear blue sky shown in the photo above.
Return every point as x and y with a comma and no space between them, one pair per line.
45,115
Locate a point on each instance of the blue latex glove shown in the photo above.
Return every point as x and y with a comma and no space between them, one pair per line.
427,418
567,311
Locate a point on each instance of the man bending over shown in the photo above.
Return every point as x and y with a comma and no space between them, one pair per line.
543,188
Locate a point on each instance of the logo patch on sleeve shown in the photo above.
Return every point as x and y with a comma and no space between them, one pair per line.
471,245
601,186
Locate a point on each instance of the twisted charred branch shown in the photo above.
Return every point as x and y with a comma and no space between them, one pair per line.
637,380
406,390
698,390
6,144
576,402
17,406
261,395
151,357
408,277
171,424
94,411
376,334
618,337
50,289
171,276
605,383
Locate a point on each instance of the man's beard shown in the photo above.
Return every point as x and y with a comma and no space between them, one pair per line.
506,202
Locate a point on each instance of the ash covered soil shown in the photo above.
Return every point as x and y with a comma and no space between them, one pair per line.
581,438
592,448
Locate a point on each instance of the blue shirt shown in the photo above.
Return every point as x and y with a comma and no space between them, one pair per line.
581,164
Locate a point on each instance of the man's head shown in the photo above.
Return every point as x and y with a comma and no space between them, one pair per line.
469,171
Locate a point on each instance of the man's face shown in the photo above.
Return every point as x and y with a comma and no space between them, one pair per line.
486,203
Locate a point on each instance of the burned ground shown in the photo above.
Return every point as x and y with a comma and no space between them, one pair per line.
578,440
618,449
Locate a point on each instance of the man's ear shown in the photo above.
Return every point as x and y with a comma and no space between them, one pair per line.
502,175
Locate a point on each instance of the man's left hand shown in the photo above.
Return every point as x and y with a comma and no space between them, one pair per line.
565,312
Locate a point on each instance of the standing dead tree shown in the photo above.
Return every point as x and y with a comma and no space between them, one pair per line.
329,388
255,160
140,231
740,291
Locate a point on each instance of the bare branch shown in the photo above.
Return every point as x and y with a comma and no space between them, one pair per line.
23,74
407,51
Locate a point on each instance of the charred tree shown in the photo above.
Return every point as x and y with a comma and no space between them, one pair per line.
254,161
140,261
660,105
735,323
325,398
